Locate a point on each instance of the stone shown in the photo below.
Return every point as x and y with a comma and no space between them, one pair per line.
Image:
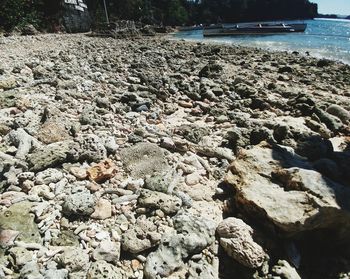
236,237
339,112
56,274
66,238
79,172
50,155
18,217
245,90
20,256
332,122
23,141
211,70
192,234
158,183
284,270
111,145
74,259
157,200
315,148
108,251
31,271
79,204
102,269
7,237
140,237
102,171
144,159
92,148
296,200
193,179
8,83
102,210
48,176
53,131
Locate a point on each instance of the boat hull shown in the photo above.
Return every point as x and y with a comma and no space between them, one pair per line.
255,30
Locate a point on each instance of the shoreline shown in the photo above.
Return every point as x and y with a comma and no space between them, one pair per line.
314,52
157,158
269,49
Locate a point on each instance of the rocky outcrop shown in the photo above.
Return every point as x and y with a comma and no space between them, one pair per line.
292,199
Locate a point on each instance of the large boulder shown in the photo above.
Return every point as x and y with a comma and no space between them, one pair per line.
281,190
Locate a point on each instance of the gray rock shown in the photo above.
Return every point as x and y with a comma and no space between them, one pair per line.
236,238
158,183
144,159
18,217
20,256
102,270
110,145
245,90
91,149
79,204
298,199
56,274
140,237
339,112
74,259
332,122
203,269
30,271
48,176
157,200
23,141
107,251
192,235
50,155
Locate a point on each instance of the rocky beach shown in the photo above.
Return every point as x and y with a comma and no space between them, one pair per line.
155,158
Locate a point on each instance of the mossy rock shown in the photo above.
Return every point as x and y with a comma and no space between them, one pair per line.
18,218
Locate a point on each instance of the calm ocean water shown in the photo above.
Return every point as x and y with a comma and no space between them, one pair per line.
322,38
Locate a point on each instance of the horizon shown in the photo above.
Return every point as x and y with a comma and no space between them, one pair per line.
339,7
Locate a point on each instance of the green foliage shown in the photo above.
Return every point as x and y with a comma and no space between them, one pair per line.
20,12
176,13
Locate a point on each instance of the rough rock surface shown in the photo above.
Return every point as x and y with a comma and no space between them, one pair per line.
236,238
297,199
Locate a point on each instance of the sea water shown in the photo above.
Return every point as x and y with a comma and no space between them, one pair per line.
323,38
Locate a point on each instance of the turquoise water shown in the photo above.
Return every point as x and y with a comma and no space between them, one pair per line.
323,38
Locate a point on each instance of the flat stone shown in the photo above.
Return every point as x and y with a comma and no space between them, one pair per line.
102,210
107,251
19,218
50,155
74,259
157,200
144,159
